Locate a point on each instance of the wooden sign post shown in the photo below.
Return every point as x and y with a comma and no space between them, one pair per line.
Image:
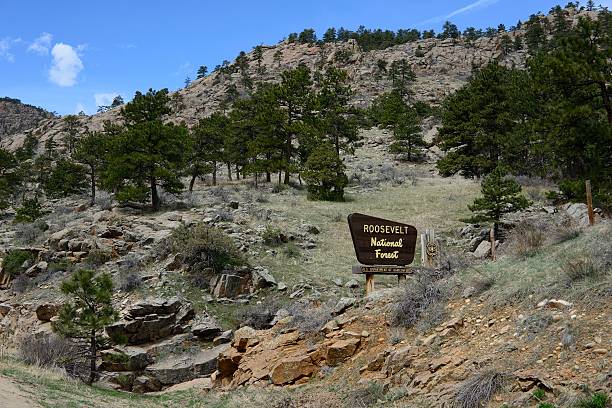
383,247
589,198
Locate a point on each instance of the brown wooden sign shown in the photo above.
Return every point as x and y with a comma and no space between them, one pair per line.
382,242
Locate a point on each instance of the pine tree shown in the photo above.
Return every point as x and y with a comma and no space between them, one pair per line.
67,178
330,35
207,141
148,154
294,96
72,125
92,151
9,177
88,312
402,76
334,112
202,72
324,175
500,195
480,120
407,135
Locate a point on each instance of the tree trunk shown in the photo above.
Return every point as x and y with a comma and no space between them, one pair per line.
280,173
268,177
214,173
93,187
237,173
192,182
606,101
154,196
92,358
229,171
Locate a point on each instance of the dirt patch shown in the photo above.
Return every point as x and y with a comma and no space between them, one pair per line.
14,396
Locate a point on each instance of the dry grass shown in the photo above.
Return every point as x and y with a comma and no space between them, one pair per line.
478,389
432,202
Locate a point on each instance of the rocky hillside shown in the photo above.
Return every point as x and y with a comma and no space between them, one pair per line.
16,117
441,66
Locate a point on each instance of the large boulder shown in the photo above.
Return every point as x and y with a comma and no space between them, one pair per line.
125,359
206,328
290,369
186,367
341,350
231,284
151,320
45,311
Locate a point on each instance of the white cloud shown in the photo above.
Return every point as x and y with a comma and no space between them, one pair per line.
105,99
80,108
42,44
66,65
5,49
472,6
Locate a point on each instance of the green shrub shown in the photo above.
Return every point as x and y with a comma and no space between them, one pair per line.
14,260
204,247
272,236
597,400
30,211
291,251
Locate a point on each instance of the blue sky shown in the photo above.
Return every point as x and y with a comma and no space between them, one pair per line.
68,56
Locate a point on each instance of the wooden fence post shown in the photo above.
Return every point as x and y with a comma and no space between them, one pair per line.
369,288
492,238
429,249
589,198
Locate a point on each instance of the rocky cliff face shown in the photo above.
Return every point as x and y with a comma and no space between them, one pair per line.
441,66
16,117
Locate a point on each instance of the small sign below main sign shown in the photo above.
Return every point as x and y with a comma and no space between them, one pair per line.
382,242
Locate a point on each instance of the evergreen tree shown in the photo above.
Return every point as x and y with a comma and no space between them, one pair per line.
117,101
72,125
335,118
500,195
88,312
506,44
278,55
324,174
91,151
535,36
330,35
294,97
67,178
148,154
9,177
202,72
207,141
449,30
407,135
307,36
402,76
479,123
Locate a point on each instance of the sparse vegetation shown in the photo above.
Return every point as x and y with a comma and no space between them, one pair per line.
205,249
479,388
421,301
17,261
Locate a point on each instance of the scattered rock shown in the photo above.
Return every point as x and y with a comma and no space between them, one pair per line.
341,350
46,311
178,369
225,337
352,284
290,369
343,304
206,328
127,358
